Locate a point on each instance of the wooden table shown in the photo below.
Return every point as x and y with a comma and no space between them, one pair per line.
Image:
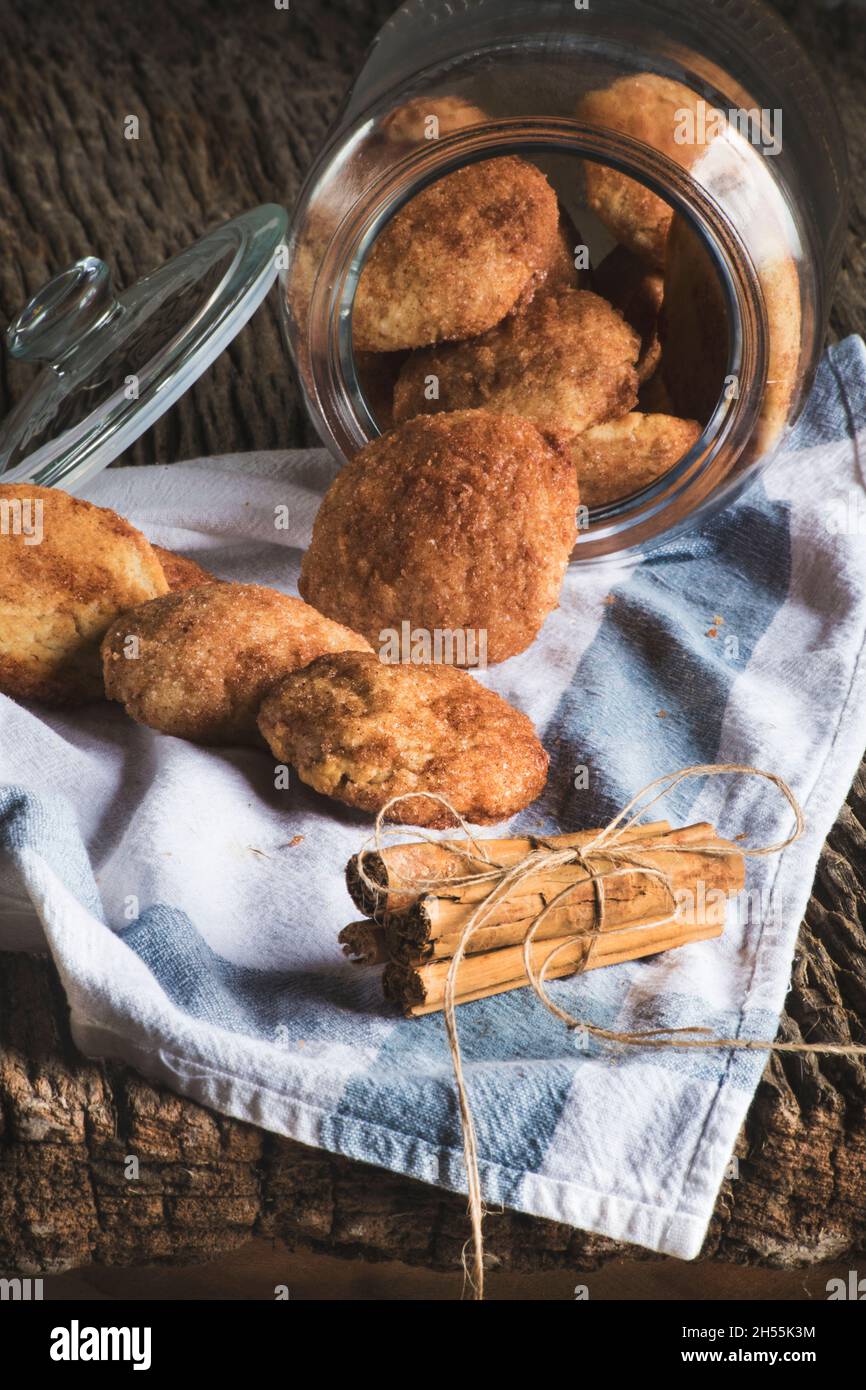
233,99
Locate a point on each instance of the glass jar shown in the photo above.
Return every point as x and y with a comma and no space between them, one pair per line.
755,172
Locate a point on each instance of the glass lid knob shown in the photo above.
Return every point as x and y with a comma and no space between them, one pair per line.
64,312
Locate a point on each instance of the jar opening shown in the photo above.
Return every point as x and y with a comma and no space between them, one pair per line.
345,388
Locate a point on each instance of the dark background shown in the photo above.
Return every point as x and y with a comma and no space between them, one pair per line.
234,98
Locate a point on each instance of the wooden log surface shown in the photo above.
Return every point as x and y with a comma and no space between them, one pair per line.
233,98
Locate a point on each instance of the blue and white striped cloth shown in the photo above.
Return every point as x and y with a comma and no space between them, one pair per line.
196,934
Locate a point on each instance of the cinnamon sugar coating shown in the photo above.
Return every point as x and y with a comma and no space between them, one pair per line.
197,664
364,732
459,521
457,258
649,108
624,456
567,362
181,573
61,586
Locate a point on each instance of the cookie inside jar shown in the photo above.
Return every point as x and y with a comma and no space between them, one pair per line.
537,285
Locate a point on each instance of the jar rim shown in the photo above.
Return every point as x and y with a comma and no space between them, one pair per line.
713,468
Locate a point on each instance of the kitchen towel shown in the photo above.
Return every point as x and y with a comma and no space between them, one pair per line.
192,907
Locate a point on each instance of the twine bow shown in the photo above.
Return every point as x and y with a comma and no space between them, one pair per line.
603,858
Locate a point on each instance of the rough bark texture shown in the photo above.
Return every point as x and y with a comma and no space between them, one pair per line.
233,99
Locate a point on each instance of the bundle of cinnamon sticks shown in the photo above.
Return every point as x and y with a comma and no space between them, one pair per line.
662,889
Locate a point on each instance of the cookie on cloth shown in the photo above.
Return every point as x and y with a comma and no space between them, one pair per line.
457,258
67,569
197,663
567,362
362,732
455,522
181,573
624,456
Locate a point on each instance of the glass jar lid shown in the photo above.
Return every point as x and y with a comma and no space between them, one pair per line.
116,362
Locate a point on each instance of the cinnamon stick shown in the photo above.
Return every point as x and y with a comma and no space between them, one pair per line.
420,989
395,869
631,896
418,932
691,911
365,943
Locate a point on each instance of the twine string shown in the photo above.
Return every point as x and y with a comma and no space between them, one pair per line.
600,859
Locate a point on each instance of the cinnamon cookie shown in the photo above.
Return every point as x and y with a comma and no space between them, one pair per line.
181,573
457,258
198,663
364,733
456,522
567,363
67,568
431,118
624,456
655,110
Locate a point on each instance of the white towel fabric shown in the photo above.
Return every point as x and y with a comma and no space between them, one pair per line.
196,933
